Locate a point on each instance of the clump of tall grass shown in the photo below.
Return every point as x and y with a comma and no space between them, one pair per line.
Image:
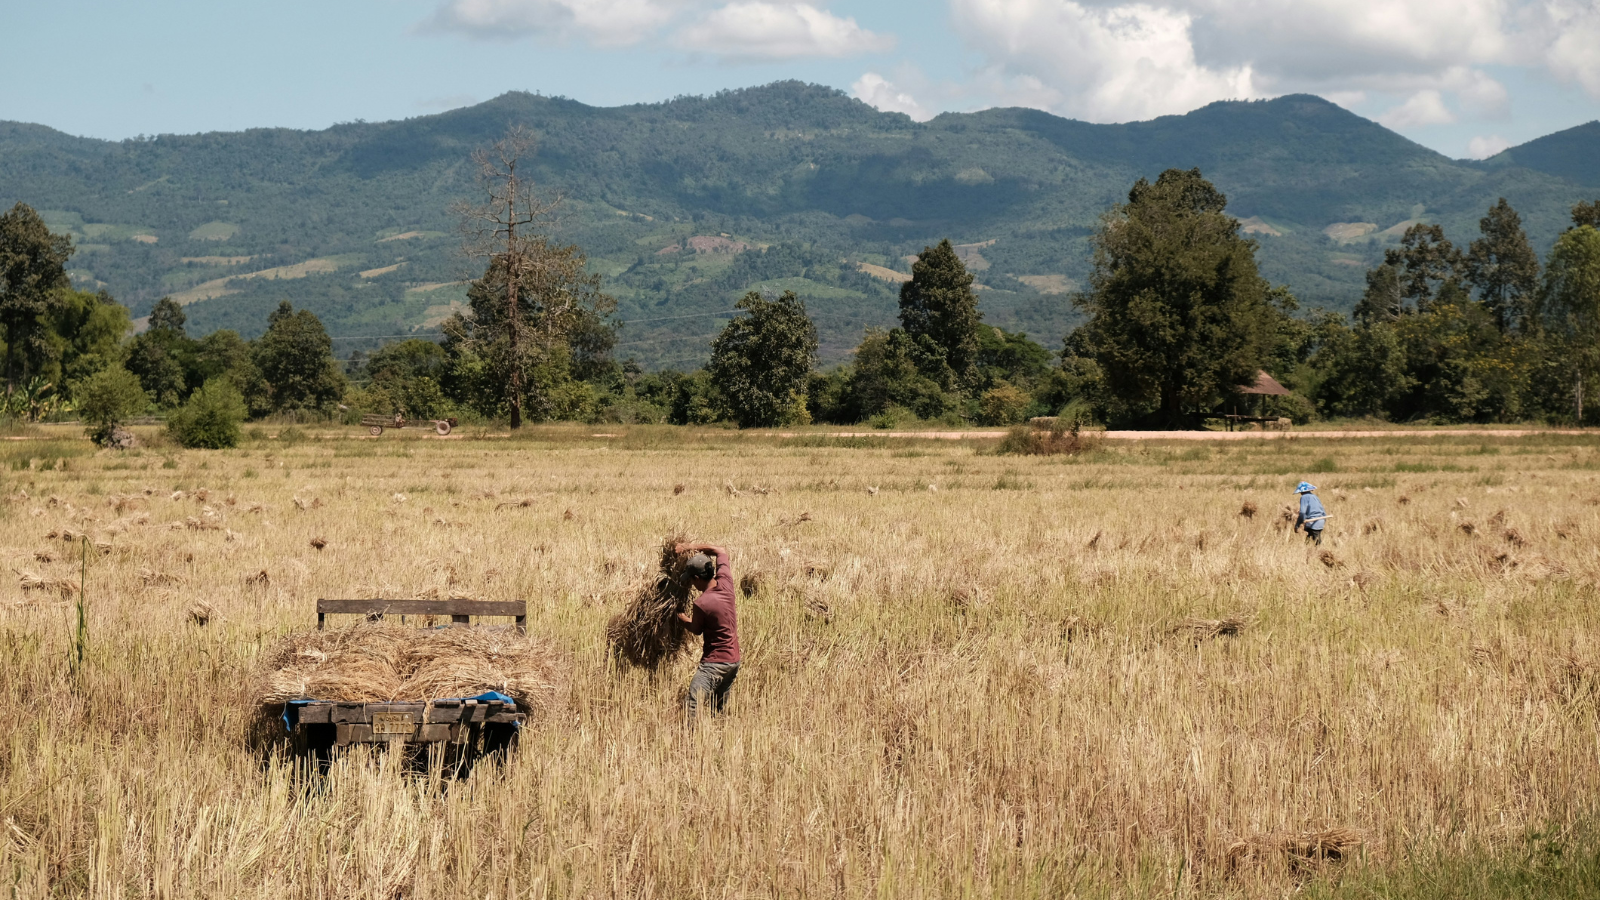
1058,436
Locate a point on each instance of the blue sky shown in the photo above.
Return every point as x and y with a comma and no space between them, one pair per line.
1465,78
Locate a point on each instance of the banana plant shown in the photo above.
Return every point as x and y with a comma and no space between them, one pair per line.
32,401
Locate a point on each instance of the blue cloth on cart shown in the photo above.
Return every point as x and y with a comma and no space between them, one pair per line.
291,710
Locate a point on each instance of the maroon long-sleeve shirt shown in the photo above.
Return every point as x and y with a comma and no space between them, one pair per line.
716,618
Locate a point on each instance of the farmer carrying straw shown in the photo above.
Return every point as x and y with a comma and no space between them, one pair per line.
715,618
1312,515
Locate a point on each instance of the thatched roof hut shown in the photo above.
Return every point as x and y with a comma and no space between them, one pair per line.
1266,385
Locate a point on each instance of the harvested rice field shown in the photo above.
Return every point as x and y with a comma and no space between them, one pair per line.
1115,674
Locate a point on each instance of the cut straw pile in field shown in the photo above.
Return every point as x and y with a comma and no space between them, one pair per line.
378,662
1297,850
647,632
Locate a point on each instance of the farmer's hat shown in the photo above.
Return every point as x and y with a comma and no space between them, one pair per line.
1305,487
700,566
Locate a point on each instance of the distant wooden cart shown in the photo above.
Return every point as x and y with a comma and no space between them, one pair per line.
376,424
469,726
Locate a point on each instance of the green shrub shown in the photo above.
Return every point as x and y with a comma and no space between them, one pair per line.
107,399
892,418
210,420
1059,437
1003,404
1294,407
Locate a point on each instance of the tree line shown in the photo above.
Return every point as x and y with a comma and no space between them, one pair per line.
1178,319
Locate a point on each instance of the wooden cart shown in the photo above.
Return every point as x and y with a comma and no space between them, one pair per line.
327,723
469,726
376,424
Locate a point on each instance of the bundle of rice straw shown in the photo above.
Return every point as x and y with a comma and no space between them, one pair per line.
1299,850
375,662
647,632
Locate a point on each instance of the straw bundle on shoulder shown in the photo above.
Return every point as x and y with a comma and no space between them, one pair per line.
376,662
647,633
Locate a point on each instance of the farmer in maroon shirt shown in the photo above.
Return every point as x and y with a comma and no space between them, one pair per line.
716,620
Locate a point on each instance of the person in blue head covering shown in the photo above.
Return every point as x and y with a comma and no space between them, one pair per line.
1312,516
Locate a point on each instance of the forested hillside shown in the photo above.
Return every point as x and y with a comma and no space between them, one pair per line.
685,205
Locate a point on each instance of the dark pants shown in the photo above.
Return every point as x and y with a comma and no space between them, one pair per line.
709,687
1314,535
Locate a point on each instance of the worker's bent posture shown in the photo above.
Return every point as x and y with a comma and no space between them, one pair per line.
716,620
1312,516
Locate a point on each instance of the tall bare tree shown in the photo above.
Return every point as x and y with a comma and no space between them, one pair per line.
491,231
534,294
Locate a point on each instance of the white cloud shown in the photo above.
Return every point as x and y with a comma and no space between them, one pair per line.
1485,146
1574,51
1346,99
604,22
878,92
1095,62
741,30
1310,41
1479,93
1423,108
758,30
1126,59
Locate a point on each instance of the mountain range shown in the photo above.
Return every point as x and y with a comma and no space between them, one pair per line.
684,205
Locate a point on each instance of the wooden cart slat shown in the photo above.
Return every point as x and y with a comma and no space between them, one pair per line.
459,611
453,721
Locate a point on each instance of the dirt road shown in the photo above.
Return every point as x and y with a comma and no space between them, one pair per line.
1210,435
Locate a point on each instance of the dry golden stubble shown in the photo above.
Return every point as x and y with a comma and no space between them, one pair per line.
1206,629
888,742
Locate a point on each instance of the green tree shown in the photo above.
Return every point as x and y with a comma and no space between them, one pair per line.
538,316
1586,214
696,400
106,400
889,372
1459,367
221,354
1361,371
87,333
1502,266
158,354
1424,261
1011,357
938,303
1179,315
561,330
829,399
405,377
1569,304
1003,404
762,361
32,273
1077,384
295,359
1384,299
210,419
